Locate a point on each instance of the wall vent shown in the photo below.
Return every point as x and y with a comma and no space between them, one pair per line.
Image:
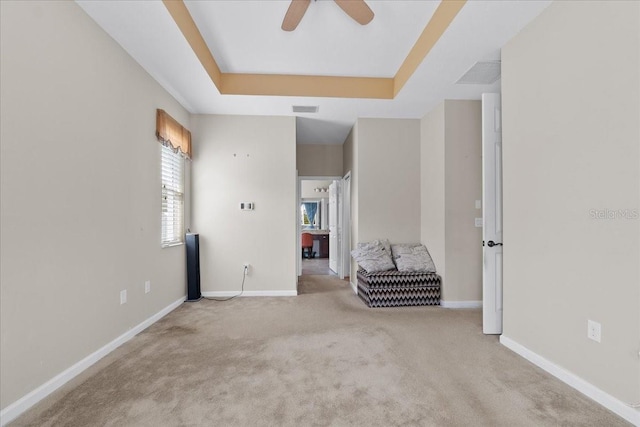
482,73
305,108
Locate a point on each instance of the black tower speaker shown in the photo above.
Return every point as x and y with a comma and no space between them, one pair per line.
193,267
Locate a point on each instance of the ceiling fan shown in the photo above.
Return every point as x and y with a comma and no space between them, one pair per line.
356,9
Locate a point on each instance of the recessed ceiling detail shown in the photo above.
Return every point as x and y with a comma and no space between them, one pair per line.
482,73
245,38
314,85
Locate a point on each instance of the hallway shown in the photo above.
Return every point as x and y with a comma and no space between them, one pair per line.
316,266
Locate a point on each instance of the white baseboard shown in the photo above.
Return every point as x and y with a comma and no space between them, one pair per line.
224,294
15,409
613,404
354,287
460,304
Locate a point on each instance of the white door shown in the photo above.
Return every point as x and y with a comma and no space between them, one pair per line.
298,226
345,226
334,188
492,214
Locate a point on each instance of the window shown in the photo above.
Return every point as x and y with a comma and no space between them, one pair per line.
172,169
176,146
310,214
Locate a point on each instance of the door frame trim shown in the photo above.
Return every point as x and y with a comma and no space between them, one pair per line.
301,178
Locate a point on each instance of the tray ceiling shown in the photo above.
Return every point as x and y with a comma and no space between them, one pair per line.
244,37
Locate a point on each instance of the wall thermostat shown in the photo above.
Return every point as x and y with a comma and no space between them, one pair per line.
246,206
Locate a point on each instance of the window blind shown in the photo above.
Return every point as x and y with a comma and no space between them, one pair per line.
172,170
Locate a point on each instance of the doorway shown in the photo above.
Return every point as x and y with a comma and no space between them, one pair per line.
320,226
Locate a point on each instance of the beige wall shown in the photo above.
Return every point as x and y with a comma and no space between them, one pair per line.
463,186
432,195
80,193
451,182
308,186
319,160
252,159
383,156
389,180
571,109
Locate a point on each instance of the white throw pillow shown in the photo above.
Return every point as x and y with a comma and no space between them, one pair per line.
412,258
373,257
376,243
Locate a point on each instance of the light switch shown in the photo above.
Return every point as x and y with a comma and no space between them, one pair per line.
478,204
479,222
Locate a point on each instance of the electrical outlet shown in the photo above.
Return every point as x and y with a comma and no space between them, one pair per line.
147,286
123,296
594,330
246,268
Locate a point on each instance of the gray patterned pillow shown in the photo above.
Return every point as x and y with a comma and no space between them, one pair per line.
373,257
413,258
376,243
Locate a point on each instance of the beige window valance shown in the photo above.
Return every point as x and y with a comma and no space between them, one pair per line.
173,134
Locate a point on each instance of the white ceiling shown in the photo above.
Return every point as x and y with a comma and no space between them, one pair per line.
327,41
245,37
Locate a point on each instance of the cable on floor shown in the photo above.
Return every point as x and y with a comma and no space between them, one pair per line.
244,275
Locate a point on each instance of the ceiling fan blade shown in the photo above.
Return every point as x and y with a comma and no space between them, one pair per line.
357,9
294,14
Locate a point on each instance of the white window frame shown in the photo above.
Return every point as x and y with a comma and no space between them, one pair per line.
172,204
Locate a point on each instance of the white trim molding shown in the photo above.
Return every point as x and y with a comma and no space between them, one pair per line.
224,294
354,287
460,304
613,404
18,407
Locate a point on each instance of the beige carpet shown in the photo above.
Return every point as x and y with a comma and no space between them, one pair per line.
321,358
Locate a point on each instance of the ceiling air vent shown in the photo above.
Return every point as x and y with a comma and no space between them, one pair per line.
482,73
305,108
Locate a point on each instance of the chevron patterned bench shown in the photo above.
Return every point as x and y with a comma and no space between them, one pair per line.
394,288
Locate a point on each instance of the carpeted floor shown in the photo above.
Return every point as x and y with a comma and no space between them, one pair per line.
321,358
